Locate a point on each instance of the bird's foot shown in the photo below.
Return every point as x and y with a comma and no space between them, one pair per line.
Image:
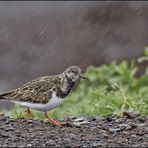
56,123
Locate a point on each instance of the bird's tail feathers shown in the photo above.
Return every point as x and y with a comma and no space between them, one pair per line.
5,96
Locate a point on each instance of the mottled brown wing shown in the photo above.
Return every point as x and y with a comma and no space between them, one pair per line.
36,91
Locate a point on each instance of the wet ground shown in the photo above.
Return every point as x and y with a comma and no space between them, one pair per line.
81,131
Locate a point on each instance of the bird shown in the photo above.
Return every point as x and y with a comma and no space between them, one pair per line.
44,93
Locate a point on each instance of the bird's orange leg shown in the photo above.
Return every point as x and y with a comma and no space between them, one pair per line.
28,112
52,121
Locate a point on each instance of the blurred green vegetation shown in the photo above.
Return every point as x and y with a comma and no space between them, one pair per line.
109,90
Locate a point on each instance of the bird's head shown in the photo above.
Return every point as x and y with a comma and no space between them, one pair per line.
73,73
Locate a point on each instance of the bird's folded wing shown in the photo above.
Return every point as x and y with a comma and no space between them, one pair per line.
34,92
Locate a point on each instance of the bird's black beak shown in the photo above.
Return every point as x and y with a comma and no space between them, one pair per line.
81,76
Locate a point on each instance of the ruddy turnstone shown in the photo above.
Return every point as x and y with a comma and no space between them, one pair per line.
44,93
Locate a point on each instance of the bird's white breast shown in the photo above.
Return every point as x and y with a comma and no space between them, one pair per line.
53,102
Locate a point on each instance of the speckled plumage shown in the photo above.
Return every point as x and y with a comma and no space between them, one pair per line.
40,90
44,93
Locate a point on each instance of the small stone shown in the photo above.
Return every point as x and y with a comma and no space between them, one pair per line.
78,124
120,120
3,119
73,117
131,113
69,124
71,135
29,145
43,144
7,122
1,114
9,129
125,126
133,125
31,121
114,130
79,119
22,144
146,136
136,145
5,135
105,135
100,118
97,144
142,119
146,128
12,120
84,118
133,136
109,119
89,118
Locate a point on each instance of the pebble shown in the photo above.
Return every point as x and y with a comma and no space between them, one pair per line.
78,124
3,119
133,125
134,136
9,129
109,119
105,135
114,130
12,120
100,118
73,117
1,114
71,135
131,113
5,135
125,126
96,144
146,128
93,134
120,120
7,122
70,124
29,145
80,119
31,121
142,119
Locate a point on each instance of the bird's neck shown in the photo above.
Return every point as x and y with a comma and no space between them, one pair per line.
66,84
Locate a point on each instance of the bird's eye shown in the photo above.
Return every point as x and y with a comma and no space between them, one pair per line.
74,71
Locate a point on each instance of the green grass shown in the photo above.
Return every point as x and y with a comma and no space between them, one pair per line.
109,90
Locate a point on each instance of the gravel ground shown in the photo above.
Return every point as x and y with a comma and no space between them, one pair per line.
81,131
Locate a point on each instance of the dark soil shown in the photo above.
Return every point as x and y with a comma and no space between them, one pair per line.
79,131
